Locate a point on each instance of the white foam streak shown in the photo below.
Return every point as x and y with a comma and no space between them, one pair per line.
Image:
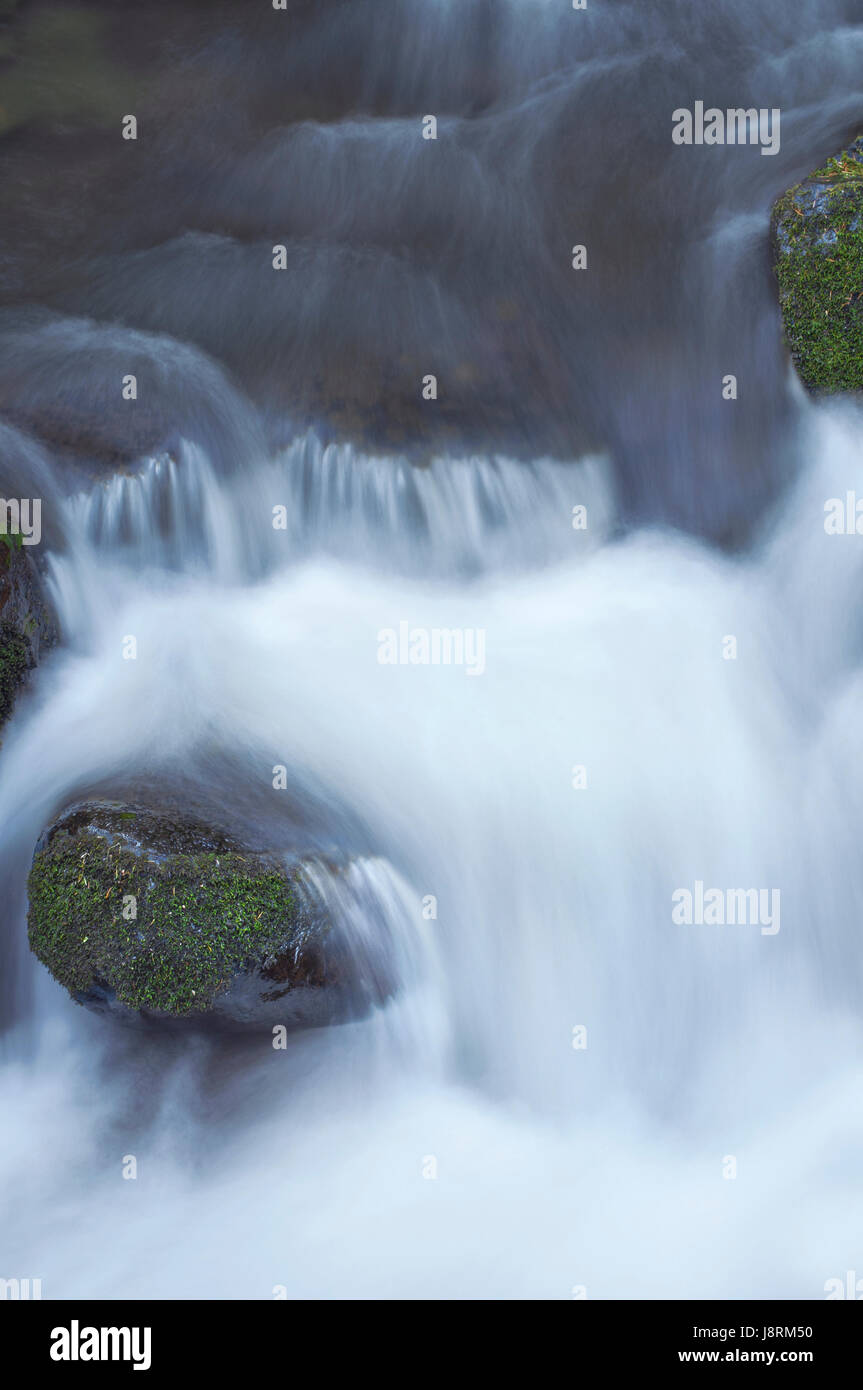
555,1166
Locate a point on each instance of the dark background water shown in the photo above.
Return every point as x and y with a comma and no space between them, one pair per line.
407,256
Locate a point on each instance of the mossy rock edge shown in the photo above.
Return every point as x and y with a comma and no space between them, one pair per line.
27,626
159,919
817,231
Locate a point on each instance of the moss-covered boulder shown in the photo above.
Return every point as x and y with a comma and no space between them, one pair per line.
155,916
818,255
26,623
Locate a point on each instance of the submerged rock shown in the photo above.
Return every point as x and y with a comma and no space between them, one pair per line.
162,917
818,252
104,396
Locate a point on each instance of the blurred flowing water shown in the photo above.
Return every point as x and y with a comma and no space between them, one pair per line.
455,1143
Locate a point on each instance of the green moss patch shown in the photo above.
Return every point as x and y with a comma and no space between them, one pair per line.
201,920
15,660
818,248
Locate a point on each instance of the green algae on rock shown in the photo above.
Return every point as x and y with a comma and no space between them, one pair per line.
136,912
818,255
26,624
15,661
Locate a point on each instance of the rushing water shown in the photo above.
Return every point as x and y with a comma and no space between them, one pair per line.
455,1143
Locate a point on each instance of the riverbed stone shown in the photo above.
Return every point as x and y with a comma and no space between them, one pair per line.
160,917
817,229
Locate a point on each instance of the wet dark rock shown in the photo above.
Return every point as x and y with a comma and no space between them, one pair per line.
163,918
27,625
